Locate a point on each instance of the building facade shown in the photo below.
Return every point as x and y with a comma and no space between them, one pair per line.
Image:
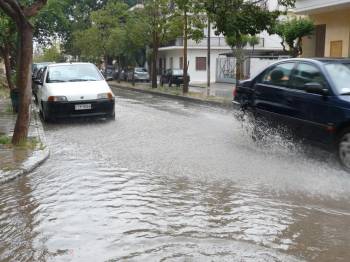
171,56
332,31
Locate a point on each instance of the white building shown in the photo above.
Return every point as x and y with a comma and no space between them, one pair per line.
171,56
332,27
222,68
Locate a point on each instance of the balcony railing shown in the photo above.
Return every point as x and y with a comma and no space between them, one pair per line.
214,42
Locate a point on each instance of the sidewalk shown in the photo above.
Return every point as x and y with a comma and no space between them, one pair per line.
218,94
17,161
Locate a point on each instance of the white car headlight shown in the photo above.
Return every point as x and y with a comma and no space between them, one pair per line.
105,96
57,99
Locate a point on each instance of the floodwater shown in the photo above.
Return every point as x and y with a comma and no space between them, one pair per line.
174,181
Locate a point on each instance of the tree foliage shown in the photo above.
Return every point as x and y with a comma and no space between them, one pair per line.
51,54
161,28
21,13
104,36
190,14
292,32
237,19
8,39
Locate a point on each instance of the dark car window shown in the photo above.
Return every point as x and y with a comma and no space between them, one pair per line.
42,74
39,74
278,75
340,75
307,73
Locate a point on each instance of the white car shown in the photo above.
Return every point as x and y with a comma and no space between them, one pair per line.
74,89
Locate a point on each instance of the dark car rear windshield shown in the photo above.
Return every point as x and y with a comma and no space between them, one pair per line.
73,73
340,75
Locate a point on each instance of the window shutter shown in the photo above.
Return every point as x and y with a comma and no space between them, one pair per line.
201,63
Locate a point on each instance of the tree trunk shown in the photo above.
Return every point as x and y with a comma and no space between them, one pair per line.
154,59
185,87
7,62
105,64
239,63
208,55
24,82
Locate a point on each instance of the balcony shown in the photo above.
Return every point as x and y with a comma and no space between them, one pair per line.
217,41
319,6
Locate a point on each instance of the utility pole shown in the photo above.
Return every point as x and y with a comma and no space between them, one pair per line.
208,57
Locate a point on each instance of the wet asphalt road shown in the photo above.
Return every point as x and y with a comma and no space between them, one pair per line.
175,181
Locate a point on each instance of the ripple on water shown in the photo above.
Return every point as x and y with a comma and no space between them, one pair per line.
75,208
85,212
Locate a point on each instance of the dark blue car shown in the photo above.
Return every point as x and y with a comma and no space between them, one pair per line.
311,97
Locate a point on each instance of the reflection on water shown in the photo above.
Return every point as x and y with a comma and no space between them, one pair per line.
78,210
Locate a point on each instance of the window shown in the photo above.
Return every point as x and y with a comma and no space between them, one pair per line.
278,75
336,48
340,75
306,73
201,63
181,63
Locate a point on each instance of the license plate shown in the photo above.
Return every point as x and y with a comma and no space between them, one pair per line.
83,107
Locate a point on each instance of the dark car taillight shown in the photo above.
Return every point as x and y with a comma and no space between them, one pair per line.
234,93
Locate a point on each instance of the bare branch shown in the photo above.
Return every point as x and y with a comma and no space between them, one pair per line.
8,9
34,9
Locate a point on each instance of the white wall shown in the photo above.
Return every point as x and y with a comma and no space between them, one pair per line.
196,76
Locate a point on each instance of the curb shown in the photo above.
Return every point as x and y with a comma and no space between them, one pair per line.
179,97
38,157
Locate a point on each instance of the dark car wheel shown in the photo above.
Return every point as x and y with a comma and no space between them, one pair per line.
45,115
343,147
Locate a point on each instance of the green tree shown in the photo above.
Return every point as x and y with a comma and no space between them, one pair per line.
162,28
292,32
136,38
192,18
105,34
53,22
21,13
237,45
51,54
236,19
7,44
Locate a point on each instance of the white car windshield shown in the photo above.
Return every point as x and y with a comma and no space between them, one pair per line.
340,74
73,73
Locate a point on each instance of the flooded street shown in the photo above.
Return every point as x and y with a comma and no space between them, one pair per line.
175,181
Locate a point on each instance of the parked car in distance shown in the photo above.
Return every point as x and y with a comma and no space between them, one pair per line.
173,76
311,97
140,75
72,90
109,73
36,67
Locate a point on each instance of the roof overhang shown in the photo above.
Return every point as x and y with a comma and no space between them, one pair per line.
309,7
